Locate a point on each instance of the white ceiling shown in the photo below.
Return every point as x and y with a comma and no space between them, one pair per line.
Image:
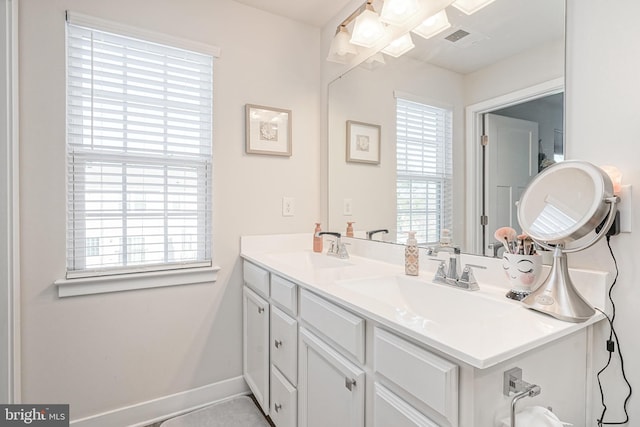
502,29
312,12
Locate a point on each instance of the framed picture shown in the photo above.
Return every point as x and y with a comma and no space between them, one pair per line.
363,142
268,130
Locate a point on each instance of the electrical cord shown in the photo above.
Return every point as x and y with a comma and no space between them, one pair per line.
611,345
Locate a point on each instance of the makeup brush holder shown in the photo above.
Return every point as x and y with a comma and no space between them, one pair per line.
523,273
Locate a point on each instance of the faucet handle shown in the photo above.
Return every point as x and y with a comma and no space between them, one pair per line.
467,273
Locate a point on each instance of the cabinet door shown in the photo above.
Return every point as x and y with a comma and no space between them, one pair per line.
331,389
255,356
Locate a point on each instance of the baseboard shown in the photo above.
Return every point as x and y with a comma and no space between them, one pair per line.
145,413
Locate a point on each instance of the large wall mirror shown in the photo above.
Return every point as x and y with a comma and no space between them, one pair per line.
499,71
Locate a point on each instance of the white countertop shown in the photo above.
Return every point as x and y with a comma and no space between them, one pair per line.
441,317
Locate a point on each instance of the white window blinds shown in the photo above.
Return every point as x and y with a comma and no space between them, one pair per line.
424,170
139,136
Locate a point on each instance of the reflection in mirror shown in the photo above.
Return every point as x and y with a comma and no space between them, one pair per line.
423,181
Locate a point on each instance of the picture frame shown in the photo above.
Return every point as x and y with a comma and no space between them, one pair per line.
363,142
267,130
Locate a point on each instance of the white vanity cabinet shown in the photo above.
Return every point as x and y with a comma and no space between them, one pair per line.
314,359
270,353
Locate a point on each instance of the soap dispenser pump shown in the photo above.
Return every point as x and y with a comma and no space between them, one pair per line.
411,264
350,228
317,239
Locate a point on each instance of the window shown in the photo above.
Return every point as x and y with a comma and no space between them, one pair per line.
139,137
424,170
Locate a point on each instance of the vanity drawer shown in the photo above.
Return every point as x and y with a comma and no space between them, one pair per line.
255,277
284,293
284,344
429,378
391,410
336,324
284,400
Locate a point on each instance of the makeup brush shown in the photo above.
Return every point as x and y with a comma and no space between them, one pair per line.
522,244
506,235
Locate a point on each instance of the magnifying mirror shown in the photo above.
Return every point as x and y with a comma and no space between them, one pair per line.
566,203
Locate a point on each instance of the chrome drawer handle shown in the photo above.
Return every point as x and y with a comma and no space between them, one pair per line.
277,343
277,407
349,383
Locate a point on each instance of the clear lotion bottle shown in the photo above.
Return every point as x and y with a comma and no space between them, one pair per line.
411,264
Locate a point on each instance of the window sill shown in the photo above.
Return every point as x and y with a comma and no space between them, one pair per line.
127,282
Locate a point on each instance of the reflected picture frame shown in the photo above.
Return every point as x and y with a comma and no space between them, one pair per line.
363,142
267,130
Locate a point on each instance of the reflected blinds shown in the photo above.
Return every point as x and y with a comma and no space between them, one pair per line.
139,137
424,170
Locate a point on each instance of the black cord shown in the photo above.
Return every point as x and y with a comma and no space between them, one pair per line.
611,344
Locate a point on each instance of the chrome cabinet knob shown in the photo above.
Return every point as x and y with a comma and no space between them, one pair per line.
277,343
277,407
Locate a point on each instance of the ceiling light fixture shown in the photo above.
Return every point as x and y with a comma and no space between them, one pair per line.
368,29
399,46
397,12
341,49
433,25
370,34
471,6
374,61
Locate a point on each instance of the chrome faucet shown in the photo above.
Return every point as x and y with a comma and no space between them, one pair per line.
372,232
337,247
451,274
495,247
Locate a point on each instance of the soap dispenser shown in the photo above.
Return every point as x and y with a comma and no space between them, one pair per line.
317,240
411,255
350,228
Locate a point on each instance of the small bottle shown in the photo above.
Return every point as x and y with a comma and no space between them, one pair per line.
411,264
445,237
317,240
350,228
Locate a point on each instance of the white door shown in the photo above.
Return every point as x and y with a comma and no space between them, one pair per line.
331,389
515,143
255,355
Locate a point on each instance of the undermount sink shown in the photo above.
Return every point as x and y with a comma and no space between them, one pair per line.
420,303
308,259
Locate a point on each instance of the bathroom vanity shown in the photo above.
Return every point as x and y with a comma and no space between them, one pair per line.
355,342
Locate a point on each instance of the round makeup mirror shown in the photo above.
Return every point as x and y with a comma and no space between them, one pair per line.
566,203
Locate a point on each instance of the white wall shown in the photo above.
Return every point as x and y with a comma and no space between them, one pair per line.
603,65
529,68
104,352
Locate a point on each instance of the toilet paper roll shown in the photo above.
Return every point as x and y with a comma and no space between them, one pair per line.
535,416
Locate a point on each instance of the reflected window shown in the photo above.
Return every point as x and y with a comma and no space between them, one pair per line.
424,170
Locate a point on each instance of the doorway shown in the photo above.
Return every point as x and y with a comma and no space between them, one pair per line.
541,105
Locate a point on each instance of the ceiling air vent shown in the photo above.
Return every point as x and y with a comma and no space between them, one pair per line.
454,37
